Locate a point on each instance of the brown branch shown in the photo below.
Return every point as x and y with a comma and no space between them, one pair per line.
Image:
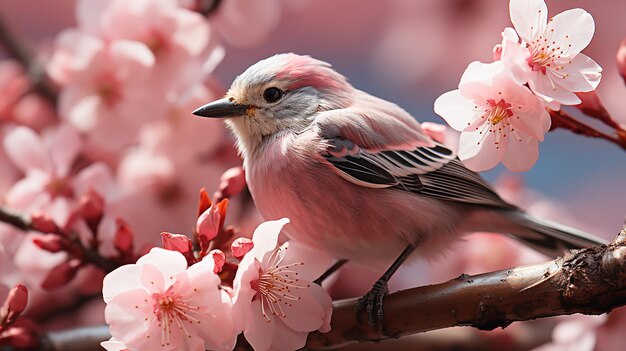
588,281
24,223
14,219
35,73
561,119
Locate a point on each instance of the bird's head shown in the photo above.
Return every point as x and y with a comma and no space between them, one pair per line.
281,93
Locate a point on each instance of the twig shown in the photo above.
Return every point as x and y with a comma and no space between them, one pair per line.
14,219
35,73
588,281
561,119
24,223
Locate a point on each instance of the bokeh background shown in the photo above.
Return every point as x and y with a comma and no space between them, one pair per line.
410,52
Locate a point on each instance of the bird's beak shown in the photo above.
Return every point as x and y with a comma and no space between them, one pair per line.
220,109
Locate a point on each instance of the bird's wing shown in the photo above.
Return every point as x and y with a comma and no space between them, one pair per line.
378,150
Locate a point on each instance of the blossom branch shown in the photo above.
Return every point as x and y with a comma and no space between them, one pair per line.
561,119
34,72
25,223
588,281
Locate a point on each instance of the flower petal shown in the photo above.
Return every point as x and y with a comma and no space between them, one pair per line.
309,263
529,17
259,332
265,237
64,146
583,74
455,109
168,263
521,155
26,150
304,314
478,151
514,56
543,86
573,27
124,278
126,314
480,72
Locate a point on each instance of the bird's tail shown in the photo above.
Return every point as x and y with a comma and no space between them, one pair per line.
548,237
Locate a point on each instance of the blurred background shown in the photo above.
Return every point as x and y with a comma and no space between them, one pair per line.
410,52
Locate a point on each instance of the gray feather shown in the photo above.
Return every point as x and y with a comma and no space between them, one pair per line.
550,238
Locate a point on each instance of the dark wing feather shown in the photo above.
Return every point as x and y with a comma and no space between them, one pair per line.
432,171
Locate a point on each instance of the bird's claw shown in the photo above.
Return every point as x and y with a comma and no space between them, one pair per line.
372,303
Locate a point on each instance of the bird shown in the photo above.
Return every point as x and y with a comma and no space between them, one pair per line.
357,175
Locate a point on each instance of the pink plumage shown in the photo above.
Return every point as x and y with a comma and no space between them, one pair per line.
357,175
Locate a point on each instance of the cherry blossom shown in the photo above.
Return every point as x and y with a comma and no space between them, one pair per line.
548,57
275,302
104,87
160,304
177,37
50,184
500,120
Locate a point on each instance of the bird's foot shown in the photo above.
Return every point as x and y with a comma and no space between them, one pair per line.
372,303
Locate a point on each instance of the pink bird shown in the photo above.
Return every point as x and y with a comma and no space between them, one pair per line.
357,175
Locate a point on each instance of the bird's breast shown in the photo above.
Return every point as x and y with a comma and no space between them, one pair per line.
332,214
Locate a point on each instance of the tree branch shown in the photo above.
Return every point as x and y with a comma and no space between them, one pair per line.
561,119
35,73
588,281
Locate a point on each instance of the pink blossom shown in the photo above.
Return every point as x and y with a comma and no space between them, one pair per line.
160,304
50,185
275,302
500,120
548,57
177,37
104,87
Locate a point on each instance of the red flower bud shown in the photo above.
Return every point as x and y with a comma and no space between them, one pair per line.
240,247
14,305
62,274
49,242
204,202
91,206
210,223
123,240
218,258
44,224
232,182
17,299
180,243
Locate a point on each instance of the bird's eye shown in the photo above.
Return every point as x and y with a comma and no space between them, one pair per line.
272,94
